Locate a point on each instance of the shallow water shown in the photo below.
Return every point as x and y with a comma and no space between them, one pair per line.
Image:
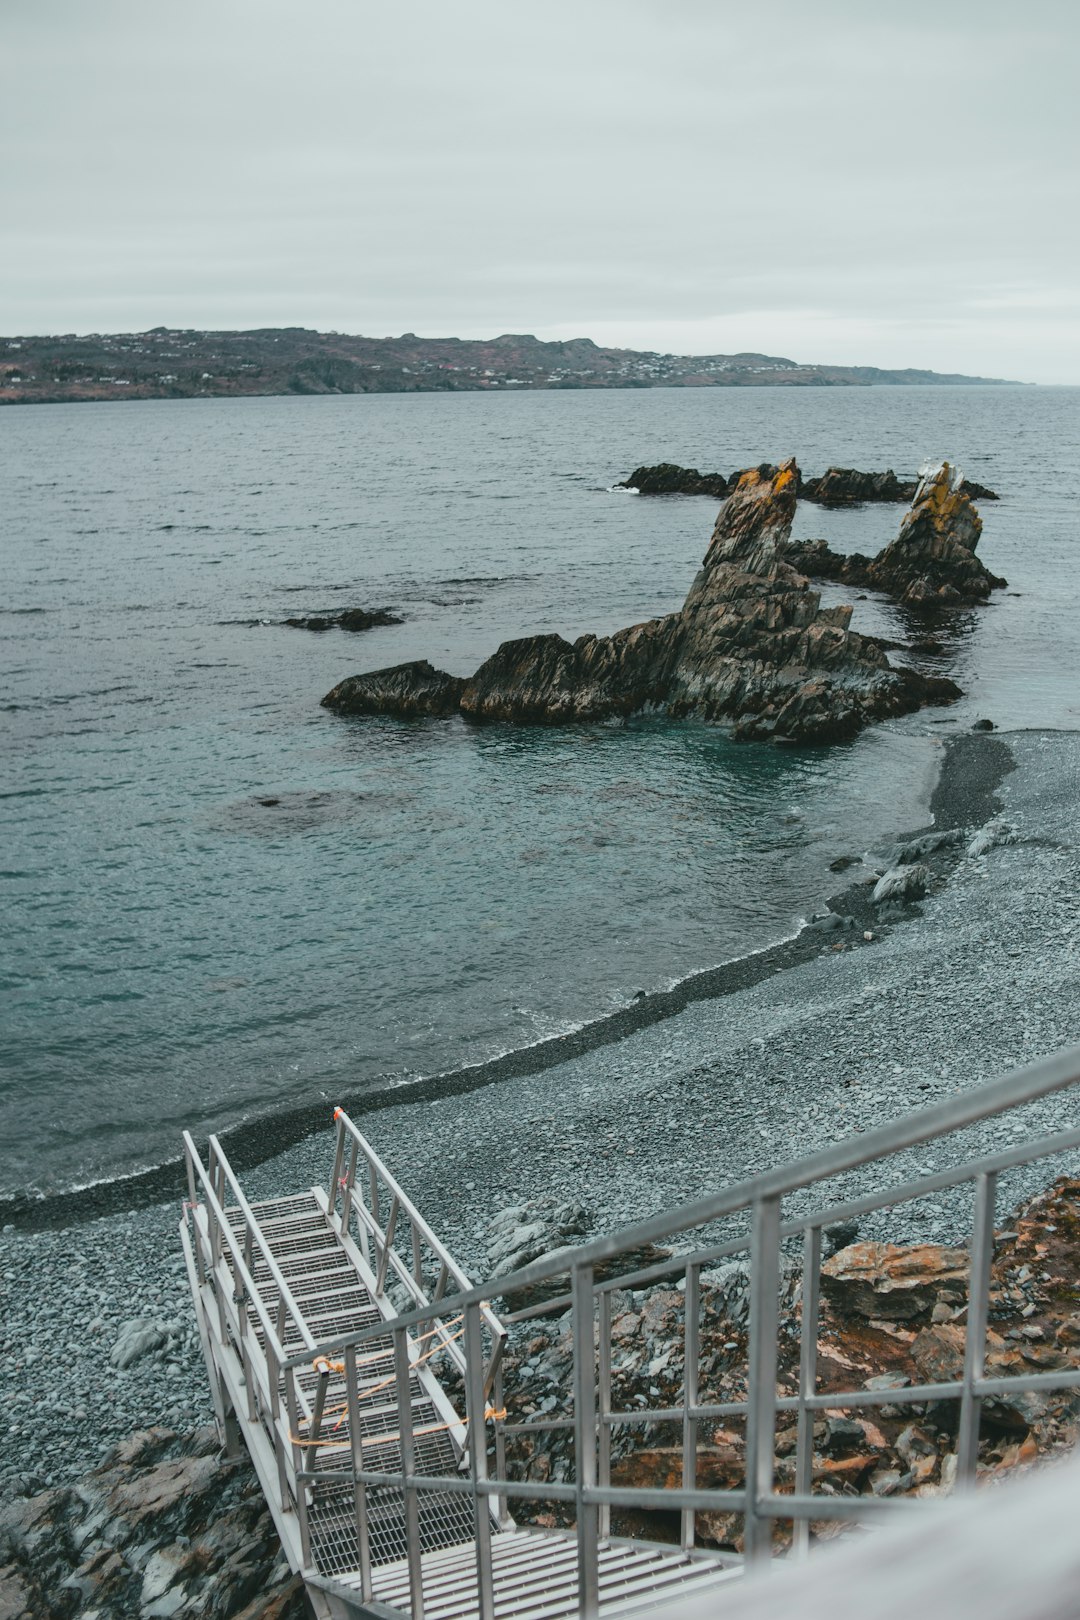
175,951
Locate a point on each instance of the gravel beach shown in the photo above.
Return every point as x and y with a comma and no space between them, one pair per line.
985,979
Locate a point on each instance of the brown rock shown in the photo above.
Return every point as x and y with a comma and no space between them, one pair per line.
899,1283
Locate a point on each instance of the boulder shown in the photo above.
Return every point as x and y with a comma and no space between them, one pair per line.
166,1525
407,690
884,1281
523,1232
901,884
668,479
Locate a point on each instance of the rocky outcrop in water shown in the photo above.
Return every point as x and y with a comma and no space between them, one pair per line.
409,690
354,619
932,561
751,647
668,479
839,486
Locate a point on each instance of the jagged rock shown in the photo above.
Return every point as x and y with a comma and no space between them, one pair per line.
352,619
524,1232
406,690
166,1525
838,486
901,884
883,1280
668,479
932,560
843,486
751,646
931,563
988,837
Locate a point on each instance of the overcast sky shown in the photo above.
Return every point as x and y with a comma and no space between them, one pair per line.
843,180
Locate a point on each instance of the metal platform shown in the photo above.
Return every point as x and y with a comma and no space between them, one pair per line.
363,1371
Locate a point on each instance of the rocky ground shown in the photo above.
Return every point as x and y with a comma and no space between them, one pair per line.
891,1316
987,977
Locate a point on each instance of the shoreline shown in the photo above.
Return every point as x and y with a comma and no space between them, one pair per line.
973,765
986,978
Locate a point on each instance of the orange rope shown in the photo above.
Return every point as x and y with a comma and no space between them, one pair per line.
490,1414
373,1389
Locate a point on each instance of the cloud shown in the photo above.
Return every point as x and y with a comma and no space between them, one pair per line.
618,167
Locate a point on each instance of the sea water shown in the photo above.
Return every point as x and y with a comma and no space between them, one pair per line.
221,900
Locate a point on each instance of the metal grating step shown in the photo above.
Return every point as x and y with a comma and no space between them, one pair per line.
446,1520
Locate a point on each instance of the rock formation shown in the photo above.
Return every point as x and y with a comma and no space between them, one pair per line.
751,646
668,479
932,561
838,486
409,690
166,1525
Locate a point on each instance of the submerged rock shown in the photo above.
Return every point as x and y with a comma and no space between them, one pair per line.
751,646
354,619
932,561
844,486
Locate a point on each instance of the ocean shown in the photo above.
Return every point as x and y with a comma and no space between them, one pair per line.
176,950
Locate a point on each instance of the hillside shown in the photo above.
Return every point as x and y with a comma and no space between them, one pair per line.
171,364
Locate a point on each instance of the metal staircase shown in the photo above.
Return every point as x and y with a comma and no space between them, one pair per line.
364,1374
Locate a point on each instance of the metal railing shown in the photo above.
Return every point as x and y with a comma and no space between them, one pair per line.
411,1265
764,1204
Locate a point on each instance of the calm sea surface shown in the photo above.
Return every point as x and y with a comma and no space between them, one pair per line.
423,895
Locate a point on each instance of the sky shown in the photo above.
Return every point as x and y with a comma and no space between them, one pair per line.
841,182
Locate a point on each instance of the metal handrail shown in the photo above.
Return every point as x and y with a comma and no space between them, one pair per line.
593,1419
252,1225
346,1127
1026,1085
387,1257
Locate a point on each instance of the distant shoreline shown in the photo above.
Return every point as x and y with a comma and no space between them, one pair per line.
172,363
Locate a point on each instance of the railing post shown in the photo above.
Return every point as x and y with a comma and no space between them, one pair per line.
588,1527
387,1240
478,1469
498,1401
193,1204
761,1393
603,1393
403,1393
346,1192
363,1545
300,1464
691,1360
982,1255
808,1360
334,1189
